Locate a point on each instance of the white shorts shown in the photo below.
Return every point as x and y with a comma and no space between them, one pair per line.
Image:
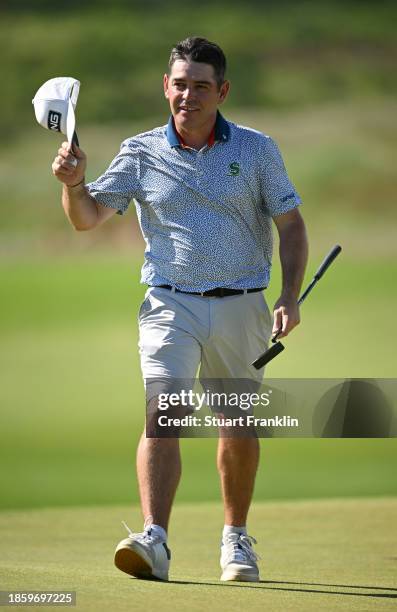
184,336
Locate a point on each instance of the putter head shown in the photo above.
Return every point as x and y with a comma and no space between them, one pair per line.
268,355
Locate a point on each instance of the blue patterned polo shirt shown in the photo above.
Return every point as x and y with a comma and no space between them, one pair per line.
206,216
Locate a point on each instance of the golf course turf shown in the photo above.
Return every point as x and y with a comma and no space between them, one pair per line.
72,398
315,555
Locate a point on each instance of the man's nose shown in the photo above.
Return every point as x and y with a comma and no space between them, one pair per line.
187,94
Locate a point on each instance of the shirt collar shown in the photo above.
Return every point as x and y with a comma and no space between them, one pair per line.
220,133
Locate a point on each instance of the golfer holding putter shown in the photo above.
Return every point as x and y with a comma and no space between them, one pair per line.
206,191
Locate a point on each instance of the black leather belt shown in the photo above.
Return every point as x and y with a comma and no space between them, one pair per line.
218,292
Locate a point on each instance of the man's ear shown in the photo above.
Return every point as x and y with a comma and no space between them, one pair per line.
165,83
223,92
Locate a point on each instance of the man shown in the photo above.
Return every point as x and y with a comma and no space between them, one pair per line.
206,191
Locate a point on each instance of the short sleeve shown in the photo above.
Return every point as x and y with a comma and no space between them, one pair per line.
120,182
278,193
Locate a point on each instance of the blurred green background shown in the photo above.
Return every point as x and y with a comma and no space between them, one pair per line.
320,79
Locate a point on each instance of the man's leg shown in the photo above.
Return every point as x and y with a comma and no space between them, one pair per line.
237,461
170,354
159,472
240,329
146,554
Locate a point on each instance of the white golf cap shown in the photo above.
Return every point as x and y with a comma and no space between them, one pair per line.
54,105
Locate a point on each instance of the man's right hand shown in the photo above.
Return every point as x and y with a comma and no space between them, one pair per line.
70,164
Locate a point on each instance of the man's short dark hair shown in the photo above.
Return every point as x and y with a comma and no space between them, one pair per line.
196,49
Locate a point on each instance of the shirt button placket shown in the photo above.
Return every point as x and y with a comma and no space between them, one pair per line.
200,172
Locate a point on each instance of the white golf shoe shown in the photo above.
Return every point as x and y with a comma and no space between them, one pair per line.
238,558
143,555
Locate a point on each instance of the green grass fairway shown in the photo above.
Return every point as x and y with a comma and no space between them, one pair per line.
316,555
72,399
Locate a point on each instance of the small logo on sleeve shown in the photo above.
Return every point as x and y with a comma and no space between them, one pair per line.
54,121
288,197
234,169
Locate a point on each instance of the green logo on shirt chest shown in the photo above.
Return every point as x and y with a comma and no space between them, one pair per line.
234,169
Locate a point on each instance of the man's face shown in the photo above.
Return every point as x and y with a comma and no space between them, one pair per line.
193,94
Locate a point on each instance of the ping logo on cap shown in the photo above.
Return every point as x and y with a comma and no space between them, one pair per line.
54,121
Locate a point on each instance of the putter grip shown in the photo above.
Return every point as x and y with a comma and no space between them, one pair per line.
328,261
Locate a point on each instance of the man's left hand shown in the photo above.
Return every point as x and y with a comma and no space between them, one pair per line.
285,316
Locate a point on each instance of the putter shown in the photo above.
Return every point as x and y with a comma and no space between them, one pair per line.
277,347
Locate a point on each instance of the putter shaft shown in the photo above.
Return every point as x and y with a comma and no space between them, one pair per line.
277,347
